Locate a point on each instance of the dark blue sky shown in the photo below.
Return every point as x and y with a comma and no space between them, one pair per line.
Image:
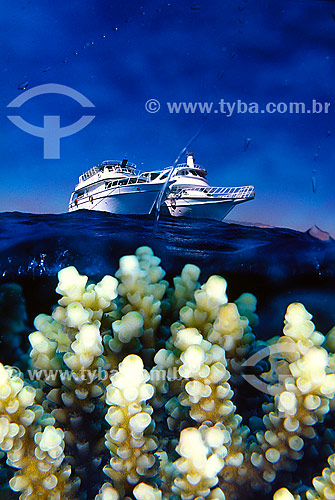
120,54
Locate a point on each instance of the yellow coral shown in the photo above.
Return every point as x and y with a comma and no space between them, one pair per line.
207,299
184,287
198,468
206,391
188,388
142,288
325,484
129,439
302,398
232,332
33,445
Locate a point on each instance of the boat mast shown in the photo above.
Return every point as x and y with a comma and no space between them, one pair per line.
162,192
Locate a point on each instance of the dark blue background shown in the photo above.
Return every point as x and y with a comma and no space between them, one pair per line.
120,54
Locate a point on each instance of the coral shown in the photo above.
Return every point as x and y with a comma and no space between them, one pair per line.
129,417
31,443
134,390
197,468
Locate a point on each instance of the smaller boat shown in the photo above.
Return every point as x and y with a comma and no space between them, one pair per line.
190,195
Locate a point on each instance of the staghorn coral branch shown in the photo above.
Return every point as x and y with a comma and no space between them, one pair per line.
69,345
202,313
32,444
142,288
130,438
301,400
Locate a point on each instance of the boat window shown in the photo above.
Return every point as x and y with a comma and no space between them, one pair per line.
154,176
110,184
164,176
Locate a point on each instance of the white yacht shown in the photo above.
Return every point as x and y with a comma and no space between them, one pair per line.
116,187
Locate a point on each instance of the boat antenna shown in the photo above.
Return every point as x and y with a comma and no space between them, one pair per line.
166,183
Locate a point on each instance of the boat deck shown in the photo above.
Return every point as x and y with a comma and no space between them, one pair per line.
219,192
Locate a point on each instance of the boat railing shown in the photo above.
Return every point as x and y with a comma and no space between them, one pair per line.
114,163
86,175
220,192
196,166
129,168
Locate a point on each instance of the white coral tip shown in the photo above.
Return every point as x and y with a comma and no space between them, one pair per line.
107,288
129,265
216,287
50,438
297,313
283,494
145,492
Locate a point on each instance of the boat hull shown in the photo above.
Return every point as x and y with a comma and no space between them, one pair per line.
119,200
206,208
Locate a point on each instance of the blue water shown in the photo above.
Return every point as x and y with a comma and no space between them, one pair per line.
278,265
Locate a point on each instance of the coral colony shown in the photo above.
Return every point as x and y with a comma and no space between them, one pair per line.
133,396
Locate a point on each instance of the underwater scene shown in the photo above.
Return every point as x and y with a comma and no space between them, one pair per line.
167,250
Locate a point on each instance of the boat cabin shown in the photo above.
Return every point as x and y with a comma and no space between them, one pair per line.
107,167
